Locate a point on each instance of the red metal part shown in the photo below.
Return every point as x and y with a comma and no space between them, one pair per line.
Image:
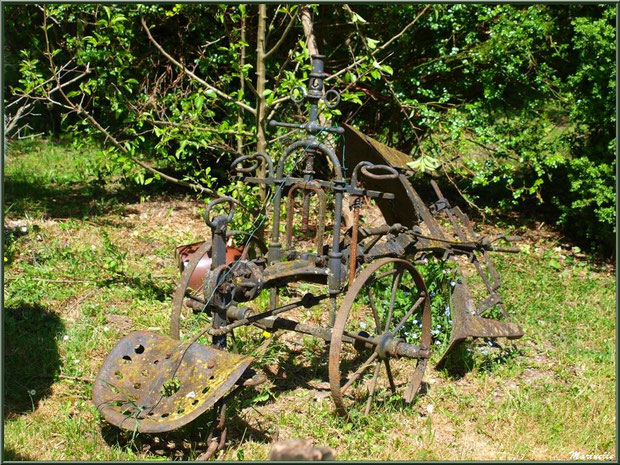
184,254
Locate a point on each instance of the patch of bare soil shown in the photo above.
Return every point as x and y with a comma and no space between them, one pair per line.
120,323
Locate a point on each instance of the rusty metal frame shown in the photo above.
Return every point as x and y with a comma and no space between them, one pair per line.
228,277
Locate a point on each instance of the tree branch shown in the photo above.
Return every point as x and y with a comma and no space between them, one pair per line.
383,47
192,75
93,122
203,128
283,36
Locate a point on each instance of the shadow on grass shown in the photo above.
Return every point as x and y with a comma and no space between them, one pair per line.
63,201
144,287
291,374
191,440
10,455
459,361
462,360
31,358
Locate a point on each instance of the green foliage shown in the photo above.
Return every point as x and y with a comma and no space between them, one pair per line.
516,103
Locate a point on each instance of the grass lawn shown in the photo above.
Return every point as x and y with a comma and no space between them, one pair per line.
96,263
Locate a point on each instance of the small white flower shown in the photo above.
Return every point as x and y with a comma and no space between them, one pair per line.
437,343
32,392
438,326
490,343
415,322
93,247
77,360
434,332
362,325
450,321
452,283
106,329
430,408
65,337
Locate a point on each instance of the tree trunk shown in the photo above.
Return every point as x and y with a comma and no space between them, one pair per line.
306,22
261,142
241,87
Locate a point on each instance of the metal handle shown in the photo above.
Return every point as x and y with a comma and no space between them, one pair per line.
245,169
255,158
331,102
303,94
371,172
215,202
286,125
365,167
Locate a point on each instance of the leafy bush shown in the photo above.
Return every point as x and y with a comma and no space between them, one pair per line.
515,103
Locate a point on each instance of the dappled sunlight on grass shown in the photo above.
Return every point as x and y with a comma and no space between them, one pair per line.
86,274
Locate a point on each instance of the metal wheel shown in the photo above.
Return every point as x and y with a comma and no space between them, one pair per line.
189,300
386,317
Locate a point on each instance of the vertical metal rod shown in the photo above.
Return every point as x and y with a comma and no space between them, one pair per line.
332,311
353,248
308,176
218,244
334,281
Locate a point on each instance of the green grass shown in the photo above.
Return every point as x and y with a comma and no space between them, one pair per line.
97,263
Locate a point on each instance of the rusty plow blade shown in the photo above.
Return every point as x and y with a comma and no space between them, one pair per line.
468,324
152,383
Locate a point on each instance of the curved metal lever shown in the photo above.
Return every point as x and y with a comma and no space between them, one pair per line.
215,202
254,166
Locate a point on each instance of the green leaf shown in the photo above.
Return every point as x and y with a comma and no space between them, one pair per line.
358,19
372,43
387,69
198,101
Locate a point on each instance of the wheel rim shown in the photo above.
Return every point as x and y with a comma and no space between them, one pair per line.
182,289
389,296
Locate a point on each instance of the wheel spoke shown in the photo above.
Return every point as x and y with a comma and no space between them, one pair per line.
194,297
359,372
395,284
375,314
388,369
367,302
402,322
373,385
383,275
360,338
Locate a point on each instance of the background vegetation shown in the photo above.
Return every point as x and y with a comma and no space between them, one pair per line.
512,105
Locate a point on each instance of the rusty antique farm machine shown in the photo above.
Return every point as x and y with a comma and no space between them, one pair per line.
376,306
